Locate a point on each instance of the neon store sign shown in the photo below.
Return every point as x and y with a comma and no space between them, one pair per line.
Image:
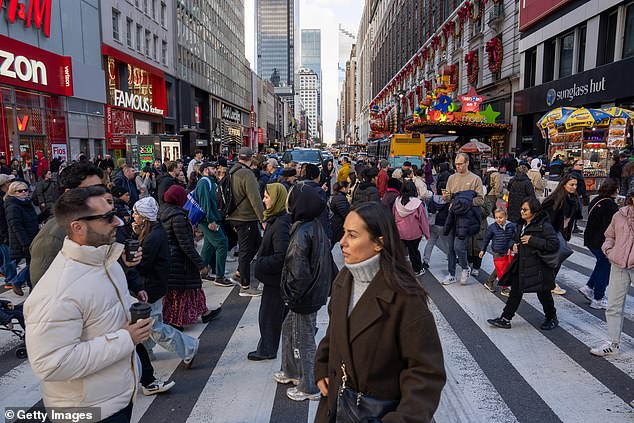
31,12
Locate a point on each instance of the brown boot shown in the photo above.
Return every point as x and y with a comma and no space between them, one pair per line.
17,290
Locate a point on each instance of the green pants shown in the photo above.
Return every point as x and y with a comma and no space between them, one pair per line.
215,244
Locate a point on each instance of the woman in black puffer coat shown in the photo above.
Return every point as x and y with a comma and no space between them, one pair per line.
22,222
520,188
268,270
339,207
185,300
534,237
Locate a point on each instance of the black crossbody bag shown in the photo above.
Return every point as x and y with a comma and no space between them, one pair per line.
356,407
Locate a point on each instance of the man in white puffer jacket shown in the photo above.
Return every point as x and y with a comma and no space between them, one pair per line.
80,343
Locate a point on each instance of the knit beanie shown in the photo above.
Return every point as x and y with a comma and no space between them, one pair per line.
146,207
175,195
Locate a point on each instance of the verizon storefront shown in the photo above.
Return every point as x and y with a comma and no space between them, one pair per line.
136,104
33,87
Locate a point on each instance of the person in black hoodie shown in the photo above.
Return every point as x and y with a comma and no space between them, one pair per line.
154,270
311,178
367,190
166,180
22,223
520,188
443,176
339,208
268,270
601,210
306,278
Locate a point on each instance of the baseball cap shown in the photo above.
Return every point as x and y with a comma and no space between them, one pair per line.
407,163
207,164
4,179
245,152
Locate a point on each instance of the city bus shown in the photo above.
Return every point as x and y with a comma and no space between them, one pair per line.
406,148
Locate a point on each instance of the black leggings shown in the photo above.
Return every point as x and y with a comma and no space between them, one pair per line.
414,254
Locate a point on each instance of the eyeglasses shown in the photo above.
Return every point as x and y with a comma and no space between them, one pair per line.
525,210
22,190
578,164
108,217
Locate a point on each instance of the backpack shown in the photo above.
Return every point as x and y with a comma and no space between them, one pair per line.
196,212
225,199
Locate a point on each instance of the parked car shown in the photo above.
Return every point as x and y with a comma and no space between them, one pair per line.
303,155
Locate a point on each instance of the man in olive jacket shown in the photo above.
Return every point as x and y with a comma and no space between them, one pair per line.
249,210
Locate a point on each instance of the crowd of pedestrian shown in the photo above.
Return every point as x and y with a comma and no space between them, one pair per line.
191,218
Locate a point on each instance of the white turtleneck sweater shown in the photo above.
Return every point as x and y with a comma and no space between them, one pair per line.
362,274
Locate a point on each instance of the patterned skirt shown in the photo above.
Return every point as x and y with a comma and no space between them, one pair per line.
184,307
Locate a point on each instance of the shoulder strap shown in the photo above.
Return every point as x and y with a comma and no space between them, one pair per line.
595,204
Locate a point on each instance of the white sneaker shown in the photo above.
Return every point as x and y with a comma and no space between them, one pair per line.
587,292
601,304
420,273
464,276
280,377
297,395
558,290
448,280
475,272
607,348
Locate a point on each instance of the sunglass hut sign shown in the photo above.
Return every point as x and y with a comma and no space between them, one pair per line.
569,94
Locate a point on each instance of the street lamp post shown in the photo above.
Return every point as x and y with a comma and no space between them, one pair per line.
399,102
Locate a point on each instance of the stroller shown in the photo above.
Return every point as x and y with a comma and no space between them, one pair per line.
20,351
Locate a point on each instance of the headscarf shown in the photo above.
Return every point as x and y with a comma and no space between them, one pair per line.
175,195
536,164
146,207
277,192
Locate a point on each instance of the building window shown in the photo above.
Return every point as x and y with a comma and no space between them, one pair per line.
628,38
164,53
139,32
607,37
145,6
115,24
155,48
147,43
566,53
128,32
581,54
154,9
163,11
549,60
530,67
136,3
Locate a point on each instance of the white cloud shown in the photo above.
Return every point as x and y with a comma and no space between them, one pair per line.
325,15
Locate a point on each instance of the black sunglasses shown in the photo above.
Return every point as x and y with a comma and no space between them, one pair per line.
22,190
108,217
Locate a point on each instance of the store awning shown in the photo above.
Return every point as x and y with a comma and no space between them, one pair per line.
444,138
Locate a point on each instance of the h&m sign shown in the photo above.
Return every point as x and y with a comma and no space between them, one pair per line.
36,12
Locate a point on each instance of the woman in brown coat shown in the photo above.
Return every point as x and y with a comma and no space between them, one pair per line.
380,328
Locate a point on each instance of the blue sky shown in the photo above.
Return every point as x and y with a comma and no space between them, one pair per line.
325,15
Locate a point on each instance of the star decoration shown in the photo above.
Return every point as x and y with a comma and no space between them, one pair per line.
471,101
490,114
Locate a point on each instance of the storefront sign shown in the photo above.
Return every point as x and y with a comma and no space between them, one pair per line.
22,122
59,150
197,113
146,154
118,123
29,67
202,143
36,12
260,136
231,114
533,11
135,102
600,85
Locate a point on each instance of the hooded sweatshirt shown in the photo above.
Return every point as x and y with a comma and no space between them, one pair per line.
536,177
411,219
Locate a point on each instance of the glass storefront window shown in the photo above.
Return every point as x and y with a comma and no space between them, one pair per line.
566,48
25,98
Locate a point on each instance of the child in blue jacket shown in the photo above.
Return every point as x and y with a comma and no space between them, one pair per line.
500,234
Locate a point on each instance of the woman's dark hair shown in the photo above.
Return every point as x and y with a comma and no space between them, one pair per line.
380,223
560,194
369,173
338,186
443,167
353,178
407,173
408,191
419,172
394,184
609,187
533,204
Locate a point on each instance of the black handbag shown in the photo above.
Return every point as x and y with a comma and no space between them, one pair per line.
356,407
555,259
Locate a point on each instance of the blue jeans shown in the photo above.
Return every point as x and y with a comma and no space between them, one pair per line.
215,246
7,268
24,276
168,337
600,275
457,250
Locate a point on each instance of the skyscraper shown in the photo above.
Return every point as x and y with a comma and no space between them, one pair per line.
311,59
277,34
347,38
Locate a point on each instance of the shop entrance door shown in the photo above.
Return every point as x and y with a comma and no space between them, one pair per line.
29,146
